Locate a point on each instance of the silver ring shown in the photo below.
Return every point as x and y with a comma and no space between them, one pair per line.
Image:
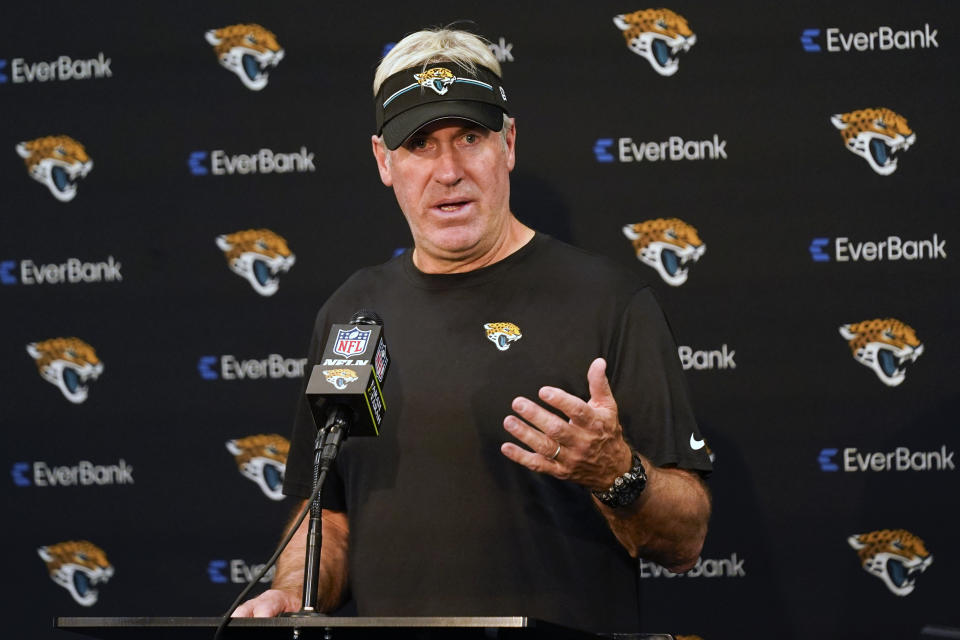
556,453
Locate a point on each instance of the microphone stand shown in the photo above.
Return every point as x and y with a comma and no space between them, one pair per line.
326,448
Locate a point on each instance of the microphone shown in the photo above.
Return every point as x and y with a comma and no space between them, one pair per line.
350,375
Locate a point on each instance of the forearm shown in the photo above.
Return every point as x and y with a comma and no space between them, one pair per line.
668,522
333,561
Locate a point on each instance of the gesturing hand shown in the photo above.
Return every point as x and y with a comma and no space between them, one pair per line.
587,447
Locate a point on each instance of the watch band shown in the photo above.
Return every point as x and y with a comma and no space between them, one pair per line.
627,487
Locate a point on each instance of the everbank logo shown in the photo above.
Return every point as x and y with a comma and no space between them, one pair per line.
82,474
236,571
705,360
230,367
69,271
731,567
892,249
673,149
58,69
883,38
265,161
899,460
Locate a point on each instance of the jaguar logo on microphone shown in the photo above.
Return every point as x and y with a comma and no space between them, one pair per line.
77,566
262,459
340,378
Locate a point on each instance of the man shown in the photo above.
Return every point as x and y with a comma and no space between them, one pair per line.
440,516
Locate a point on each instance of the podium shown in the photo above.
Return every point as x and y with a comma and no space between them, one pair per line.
330,628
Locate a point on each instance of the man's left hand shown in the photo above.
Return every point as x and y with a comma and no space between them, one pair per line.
586,447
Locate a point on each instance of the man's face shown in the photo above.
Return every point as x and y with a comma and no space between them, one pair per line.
452,181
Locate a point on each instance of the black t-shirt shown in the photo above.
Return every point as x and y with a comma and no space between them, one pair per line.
441,523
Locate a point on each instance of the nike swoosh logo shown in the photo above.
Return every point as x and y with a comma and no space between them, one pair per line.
696,444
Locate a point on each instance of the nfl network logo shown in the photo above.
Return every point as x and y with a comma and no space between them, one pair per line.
351,342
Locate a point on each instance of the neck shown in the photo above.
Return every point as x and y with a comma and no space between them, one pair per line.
514,237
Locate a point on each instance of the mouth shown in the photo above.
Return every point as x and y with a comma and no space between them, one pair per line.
251,66
901,576
893,365
674,264
661,52
273,476
62,179
451,206
262,272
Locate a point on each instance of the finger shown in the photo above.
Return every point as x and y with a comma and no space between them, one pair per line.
243,611
532,461
599,385
578,411
535,439
546,421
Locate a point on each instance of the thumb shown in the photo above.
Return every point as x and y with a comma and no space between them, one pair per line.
600,391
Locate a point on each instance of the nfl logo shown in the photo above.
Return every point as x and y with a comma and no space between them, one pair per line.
351,342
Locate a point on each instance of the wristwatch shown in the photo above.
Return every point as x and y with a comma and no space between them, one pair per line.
627,487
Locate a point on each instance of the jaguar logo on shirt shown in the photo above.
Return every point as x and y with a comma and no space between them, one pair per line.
502,334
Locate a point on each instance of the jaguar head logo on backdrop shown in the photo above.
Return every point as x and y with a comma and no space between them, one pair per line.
669,245
68,364
258,256
895,556
57,162
77,566
248,50
263,459
658,35
876,135
884,345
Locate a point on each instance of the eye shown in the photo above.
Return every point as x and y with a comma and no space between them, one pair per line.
896,545
249,38
71,353
661,23
879,123
271,449
471,138
61,151
670,233
81,556
888,334
261,245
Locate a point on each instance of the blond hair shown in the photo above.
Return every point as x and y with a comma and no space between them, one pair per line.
436,45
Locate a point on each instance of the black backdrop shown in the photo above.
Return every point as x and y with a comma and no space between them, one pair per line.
181,528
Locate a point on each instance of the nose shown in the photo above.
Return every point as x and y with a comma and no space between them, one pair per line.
448,169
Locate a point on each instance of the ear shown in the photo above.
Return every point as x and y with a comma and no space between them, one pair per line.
838,122
22,150
629,232
380,153
511,141
846,332
223,243
622,24
854,541
45,554
233,448
33,351
212,38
